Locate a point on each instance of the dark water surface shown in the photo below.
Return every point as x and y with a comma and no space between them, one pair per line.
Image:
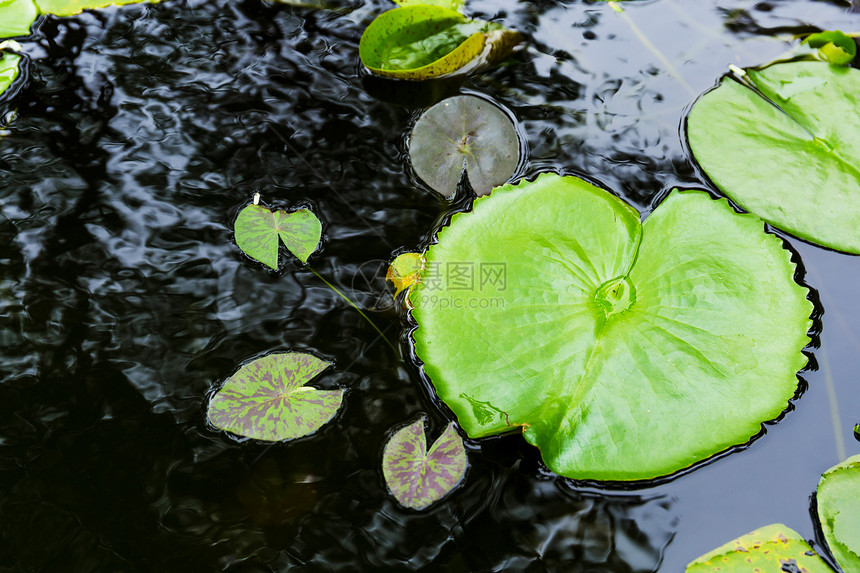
141,131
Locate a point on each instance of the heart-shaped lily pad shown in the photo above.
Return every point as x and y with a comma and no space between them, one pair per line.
420,42
788,150
771,549
258,229
72,7
839,512
16,17
624,350
8,69
417,477
464,132
267,399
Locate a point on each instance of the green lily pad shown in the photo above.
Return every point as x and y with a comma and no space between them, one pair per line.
839,512
625,351
404,271
267,399
73,7
16,17
258,229
771,549
464,132
833,46
449,4
417,477
8,70
788,151
420,42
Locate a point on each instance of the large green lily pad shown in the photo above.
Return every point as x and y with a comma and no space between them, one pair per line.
788,150
8,70
464,133
419,42
72,7
16,17
839,512
625,351
771,549
267,399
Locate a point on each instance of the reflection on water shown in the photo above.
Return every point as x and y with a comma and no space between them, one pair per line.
141,133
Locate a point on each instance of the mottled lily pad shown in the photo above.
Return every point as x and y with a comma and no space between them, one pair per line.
464,132
404,271
267,399
420,42
787,150
72,7
771,549
623,350
16,17
417,477
258,231
839,512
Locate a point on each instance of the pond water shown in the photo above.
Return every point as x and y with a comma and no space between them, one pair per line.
140,133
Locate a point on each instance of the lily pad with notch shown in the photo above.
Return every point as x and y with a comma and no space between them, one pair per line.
417,477
784,143
259,229
464,133
623,350
267,399
420,42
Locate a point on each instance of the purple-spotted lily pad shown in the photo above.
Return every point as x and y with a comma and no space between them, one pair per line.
258,230
417,477
267,399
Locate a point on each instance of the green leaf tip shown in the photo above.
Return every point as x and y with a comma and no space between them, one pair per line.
258,231
267,399
774,548
404,271
417,477
787,150
833,46
839,512
626,350
422,42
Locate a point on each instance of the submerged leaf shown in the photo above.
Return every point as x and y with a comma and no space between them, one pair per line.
404,271
839,512
625,351
464,132
258,229
72,7
419,42
833,46
771,549
417,477
8,70
16,17
267,400
788,150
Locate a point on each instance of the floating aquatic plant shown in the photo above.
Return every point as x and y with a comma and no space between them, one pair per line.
464,133
404,271
267,399
623,350
260,230
16,17
9,65
417,477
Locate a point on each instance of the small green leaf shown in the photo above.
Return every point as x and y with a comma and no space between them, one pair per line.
267,400
834,46
788,150
257,231
73,7
404,271
16,17
8,70
417,477
449,4
839,512
857,432
772,549
420,42
624,350
464,132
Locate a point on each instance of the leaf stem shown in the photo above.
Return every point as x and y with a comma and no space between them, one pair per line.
353,305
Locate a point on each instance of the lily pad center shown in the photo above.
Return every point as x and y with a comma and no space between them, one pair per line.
615,295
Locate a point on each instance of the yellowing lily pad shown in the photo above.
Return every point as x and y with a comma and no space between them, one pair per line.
404,271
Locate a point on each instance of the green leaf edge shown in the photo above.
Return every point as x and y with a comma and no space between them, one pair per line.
852,463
